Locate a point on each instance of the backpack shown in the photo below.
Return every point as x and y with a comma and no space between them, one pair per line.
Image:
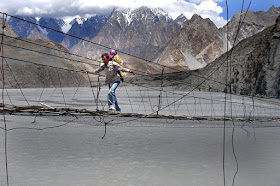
117,59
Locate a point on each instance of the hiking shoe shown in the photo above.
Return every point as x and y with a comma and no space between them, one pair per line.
112,108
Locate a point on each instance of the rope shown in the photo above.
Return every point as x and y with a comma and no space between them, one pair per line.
16,81
138,84
128,98
40,129
61,87
224,128
91,86
6,89
3,99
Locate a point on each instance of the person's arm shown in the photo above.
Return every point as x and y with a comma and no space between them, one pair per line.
130,71
123,69
96,70
86,71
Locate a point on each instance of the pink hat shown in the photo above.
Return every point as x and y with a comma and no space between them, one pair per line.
112,53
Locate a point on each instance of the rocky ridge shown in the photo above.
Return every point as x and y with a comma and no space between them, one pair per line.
253,23
200,42
252,67
30,63
142,32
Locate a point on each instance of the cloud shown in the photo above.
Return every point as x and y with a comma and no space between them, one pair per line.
210,9
199,1
204,8
63,8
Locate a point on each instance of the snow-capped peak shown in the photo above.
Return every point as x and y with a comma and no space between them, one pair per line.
130,14
78,19
159,12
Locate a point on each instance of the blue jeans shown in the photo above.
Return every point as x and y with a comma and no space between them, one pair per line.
112,100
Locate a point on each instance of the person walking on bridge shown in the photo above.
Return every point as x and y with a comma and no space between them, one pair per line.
112,78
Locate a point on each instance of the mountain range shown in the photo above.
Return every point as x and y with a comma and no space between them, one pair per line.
150,34
252,67
148,40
